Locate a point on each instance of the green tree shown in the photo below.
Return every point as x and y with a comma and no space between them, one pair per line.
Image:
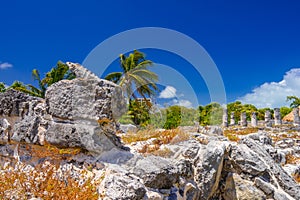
295,101
211,114
59,72
139,113
284,111
135,76
173,117
2,87
237,108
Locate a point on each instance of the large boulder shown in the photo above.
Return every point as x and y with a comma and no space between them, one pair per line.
85,99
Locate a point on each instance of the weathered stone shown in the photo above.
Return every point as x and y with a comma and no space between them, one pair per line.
229,191
296,116
85,99
277,116
13,103
208,168
274,171
225,117
232,120
121,186
245,189
90,137
244,160
5,130
253,119
268,121
267,188
128,127
157,172
243,119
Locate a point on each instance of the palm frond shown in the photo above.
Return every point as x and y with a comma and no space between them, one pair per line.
114,77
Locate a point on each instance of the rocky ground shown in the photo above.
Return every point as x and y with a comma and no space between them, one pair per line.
69,146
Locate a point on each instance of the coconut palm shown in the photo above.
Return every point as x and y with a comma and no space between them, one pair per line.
57,73
135,74
18,85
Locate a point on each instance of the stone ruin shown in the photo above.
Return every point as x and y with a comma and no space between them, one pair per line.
82,112
69,116
268,121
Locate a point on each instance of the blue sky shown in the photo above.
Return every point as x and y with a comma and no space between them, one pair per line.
254,44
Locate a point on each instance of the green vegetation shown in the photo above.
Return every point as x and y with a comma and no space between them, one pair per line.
135,73
285,110
210,114
136,78
2,87
59,72
295,101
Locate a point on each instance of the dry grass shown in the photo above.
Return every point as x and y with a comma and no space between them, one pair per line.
51,151
296,177
165,152
172,136
290,134
162,137
232,135
104,121
43,183
291,159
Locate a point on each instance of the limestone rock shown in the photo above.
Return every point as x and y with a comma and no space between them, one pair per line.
121,186
245,190
85,99
13,103
128,127
157,172
208,168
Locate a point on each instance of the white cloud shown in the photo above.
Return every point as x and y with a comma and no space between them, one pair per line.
182,102
168,93
5,65
274,94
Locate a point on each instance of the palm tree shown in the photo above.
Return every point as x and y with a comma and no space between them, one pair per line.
135,74
57,73
295,101
18,85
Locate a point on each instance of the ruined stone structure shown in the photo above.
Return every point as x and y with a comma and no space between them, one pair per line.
243,119
296,116
268,121
232,120
253,119
277,116
225,118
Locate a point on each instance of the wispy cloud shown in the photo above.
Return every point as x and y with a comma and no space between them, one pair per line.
274,94
5,65
168,93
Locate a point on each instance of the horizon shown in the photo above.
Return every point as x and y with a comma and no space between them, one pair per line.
254,45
